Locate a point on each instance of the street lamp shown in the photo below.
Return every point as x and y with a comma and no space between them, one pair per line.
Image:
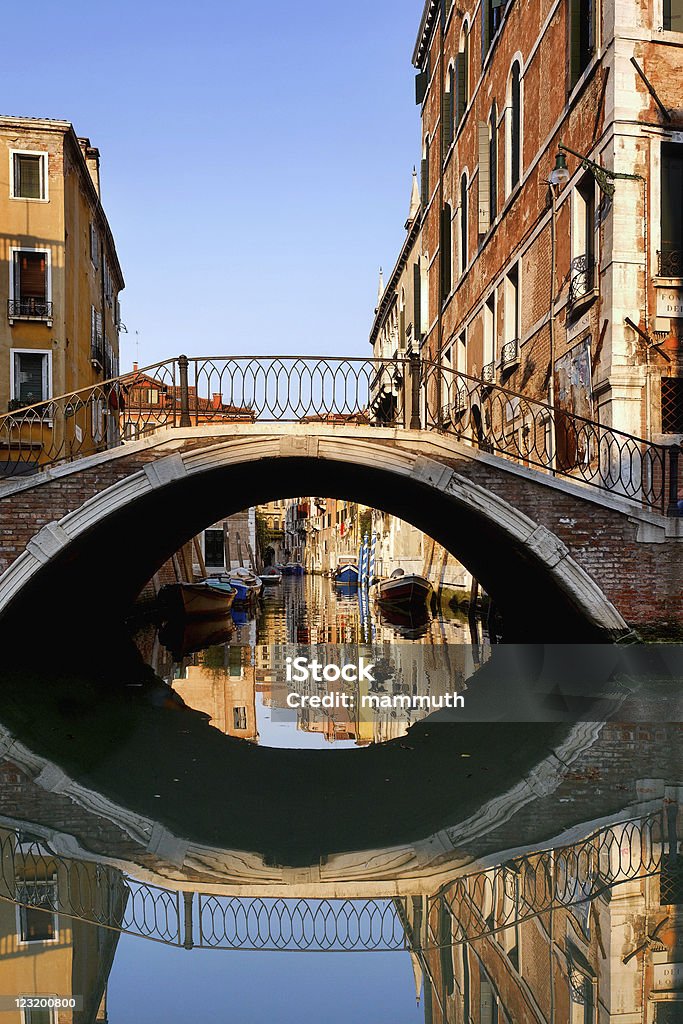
604,178
560,173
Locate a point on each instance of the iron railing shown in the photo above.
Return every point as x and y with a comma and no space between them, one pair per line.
400,392
488,902
509,355
29,309
479,904
670,262
582,280
531,432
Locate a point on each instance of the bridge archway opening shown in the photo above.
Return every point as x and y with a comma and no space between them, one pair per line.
102,571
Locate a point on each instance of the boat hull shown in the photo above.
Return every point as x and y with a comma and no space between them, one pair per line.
404,591
270,579
346,576
194,600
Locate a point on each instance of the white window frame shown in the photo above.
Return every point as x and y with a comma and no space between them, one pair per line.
55,920
53,1011
34,352
517,59
13,249
44,177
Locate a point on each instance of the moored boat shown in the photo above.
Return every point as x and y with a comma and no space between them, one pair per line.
293,569
346,574
404,590
270,576
198,600
246,584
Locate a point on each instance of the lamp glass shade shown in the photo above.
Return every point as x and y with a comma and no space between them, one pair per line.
560,172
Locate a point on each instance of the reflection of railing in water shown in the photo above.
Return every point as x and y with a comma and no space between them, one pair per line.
479,904
487,902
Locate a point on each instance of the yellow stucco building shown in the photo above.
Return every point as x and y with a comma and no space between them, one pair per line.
59,273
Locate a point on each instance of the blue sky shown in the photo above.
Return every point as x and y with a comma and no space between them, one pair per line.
256,159
162,985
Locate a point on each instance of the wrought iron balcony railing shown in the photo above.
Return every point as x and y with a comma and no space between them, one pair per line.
582,282
670,262
488,373
509,357
29,309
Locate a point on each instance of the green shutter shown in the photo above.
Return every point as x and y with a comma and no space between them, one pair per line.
417,302
421,82
447,121
424,185
446,252
460,87
485,29
516,140
574,42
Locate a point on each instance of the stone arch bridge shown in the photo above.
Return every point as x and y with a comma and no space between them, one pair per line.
567,524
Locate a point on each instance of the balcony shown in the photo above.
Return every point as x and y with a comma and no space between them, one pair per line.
509,357
488,373
670,263
29,309
582,286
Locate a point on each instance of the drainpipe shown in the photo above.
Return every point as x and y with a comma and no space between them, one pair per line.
551,382
439,328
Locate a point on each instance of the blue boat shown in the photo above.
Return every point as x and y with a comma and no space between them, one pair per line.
346,575
293,569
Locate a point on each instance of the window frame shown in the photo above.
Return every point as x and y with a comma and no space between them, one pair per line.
26,1013
47,375
44,175
55,919
13,250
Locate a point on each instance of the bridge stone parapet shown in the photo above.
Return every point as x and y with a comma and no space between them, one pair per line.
553,553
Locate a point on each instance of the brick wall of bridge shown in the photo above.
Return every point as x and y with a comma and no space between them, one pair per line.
642,580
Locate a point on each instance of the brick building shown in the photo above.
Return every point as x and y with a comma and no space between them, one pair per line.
555,272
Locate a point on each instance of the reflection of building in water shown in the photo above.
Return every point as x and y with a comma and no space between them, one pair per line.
270,531
222,685
43,952
610,949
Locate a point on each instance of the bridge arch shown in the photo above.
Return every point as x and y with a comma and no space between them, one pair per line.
166,489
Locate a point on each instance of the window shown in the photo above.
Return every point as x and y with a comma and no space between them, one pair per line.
489,351
446,252
464,247
239,716
30,284
581,38
29,177
513,156
96,338
484,177
671,255
448,111
512,305
672,405
94,246
30,372
491,17
424,175
582,278
417,301
214,549
673,15
493,163
35,922
402,319
462,74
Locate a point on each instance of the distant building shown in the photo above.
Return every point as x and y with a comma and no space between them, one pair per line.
61,278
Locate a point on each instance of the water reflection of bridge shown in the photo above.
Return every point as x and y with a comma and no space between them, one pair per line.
474,905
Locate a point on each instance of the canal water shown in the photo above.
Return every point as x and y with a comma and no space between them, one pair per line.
172,828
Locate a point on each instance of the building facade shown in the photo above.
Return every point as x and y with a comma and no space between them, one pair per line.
546,253
61,277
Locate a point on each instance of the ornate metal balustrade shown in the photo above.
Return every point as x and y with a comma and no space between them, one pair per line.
582,281
670,263
489,902
473,906
533,433
29,309
410,393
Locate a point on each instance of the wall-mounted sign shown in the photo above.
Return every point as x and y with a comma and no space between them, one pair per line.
670,302
79,434
667,977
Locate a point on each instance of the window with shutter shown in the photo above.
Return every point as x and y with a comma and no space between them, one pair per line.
446,121
581,33
424,176
29,175
446,252
464,232
214,549
484,178
671,204
30,275
515,126
31,383
417,302
493,163
94,246
421,83
672,405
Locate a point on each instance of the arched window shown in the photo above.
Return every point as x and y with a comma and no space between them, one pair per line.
462,74
449,102
514,128
464,244
402,320
491,17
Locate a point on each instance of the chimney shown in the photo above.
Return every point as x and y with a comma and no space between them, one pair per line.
135,367
92,160
216,400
